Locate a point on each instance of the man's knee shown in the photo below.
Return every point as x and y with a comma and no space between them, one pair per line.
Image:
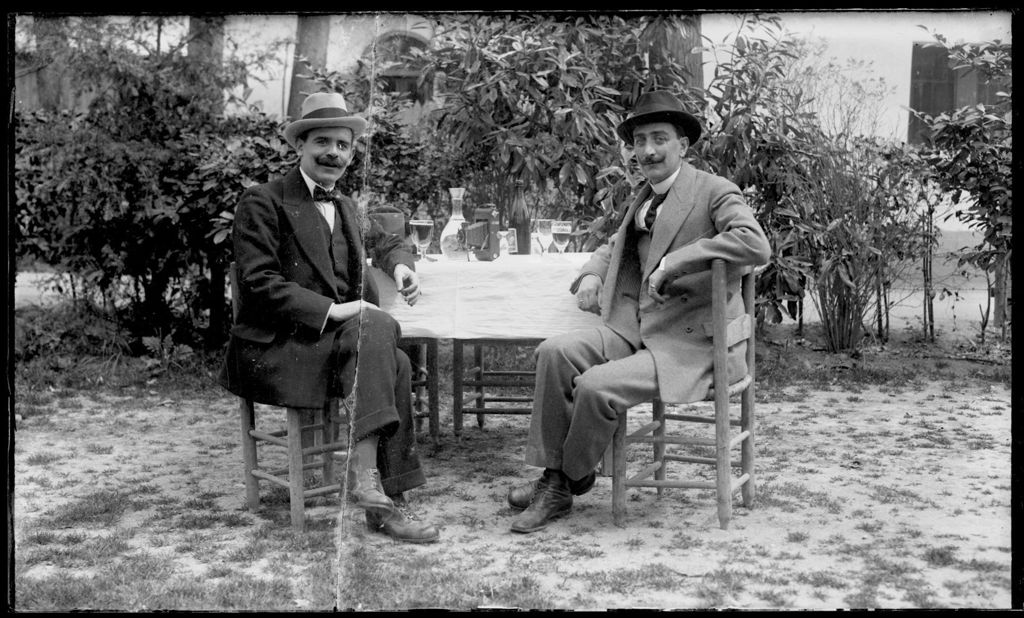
379,327
556,347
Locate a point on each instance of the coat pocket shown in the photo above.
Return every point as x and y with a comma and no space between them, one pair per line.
736,330
253,333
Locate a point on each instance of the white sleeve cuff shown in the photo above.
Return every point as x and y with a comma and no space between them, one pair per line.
326,317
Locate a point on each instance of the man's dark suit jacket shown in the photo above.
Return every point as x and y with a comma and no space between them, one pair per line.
286,279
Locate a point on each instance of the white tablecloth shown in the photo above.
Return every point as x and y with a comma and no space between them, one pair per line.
513,297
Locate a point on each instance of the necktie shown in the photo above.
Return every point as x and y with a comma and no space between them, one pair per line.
652,212
322,195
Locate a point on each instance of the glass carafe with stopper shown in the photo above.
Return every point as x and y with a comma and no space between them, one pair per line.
453,236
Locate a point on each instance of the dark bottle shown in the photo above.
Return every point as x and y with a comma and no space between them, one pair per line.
519,219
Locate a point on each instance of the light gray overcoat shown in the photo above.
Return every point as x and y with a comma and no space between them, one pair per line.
703,217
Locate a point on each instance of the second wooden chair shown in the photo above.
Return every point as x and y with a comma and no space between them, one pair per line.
725,334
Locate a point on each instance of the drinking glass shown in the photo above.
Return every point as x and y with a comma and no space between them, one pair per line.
544,234
422,229
561,232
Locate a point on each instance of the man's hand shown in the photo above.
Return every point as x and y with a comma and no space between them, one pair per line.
588,294
654,283
408,283
339,312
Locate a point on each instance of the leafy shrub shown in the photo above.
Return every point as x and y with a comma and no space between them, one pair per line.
133,197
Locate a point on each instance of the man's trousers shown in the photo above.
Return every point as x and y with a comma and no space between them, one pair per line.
584,380
371,365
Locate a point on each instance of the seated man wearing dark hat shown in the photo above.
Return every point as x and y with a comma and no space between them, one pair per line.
651,285
309,327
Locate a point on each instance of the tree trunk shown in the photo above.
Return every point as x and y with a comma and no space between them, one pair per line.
206,49
675,38
206,52
926,268
999,295
52,82
311,38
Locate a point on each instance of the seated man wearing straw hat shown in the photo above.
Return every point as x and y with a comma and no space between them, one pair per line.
308,325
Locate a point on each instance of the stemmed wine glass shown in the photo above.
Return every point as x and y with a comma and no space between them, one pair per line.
544,234
423,229
561,232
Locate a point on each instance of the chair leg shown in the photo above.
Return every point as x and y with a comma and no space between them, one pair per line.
747,448
295,474
324,418
723,467
307,417
658,415
619,472
478,360
247,414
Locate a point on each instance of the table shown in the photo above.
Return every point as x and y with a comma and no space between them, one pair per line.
513,300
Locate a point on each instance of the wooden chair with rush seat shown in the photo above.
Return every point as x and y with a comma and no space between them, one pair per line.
724,441
312,438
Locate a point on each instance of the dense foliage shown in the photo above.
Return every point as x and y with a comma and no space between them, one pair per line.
135,197
126,197
535,99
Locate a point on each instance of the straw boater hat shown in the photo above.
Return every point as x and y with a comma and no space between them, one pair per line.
659,106
324,109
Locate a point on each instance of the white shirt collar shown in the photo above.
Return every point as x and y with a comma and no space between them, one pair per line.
664,185
310,183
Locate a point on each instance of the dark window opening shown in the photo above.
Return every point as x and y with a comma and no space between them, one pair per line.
397,71
935,88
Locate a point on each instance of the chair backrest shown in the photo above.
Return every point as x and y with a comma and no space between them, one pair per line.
392,222
728,333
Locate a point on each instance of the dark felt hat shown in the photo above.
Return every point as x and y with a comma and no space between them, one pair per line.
659,106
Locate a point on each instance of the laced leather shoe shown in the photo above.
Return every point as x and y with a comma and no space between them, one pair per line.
552,500
365,490
402,524
519,496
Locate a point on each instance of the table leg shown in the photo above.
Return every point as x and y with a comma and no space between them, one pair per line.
416,356
433,397
457,378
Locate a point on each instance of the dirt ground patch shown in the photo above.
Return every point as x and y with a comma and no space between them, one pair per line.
868,495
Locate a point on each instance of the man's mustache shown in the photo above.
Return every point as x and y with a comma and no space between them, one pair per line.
330,161
650,160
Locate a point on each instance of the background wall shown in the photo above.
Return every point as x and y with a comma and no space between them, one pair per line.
882,38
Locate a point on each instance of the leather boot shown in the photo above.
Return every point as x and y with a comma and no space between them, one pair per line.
402,524
519,496
552,500
365,490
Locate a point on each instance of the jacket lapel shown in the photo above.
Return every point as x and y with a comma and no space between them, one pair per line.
304,217
349,217
675,210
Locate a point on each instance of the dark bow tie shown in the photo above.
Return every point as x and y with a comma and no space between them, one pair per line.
322,195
